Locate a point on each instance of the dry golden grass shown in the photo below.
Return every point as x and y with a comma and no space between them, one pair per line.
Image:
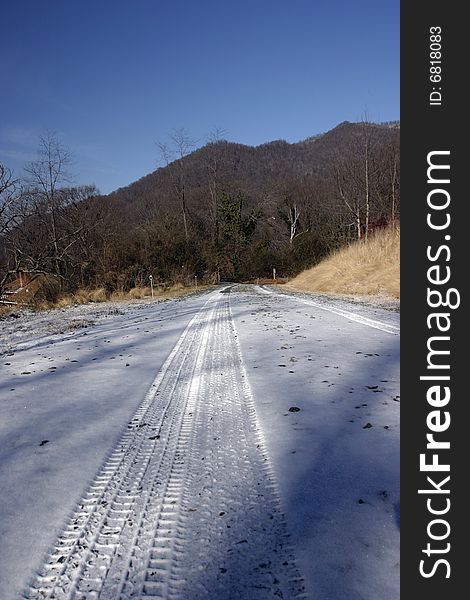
178,290
363,268
81,296
84,296
140,292
62,302
117,296
98,295
160,292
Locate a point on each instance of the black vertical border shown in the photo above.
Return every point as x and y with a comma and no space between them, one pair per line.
426,128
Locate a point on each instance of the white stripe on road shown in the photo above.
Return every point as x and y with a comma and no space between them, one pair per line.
351,316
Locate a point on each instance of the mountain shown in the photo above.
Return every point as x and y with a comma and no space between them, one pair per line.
257,168
225,210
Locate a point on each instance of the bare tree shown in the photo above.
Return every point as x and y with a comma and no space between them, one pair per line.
173,154
293,216
288,202
356,173
8,195
213,167
10,216
366,149
347,194
48,173
28,245
52,231
213,171
17,233
392,170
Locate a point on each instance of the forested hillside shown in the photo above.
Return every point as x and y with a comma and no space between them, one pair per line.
223,211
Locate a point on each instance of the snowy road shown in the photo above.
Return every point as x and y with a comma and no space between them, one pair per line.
196,449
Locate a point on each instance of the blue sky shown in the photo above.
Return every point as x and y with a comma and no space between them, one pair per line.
112,77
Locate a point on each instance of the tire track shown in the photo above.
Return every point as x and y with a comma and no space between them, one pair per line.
185,507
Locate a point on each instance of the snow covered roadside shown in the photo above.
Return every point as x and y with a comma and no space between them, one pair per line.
337,458
64,401
23,329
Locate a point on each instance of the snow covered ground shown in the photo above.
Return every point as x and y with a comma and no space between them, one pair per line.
336,460
137,435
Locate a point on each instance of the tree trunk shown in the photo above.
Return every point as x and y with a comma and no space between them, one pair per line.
394,177
185,223
367,193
